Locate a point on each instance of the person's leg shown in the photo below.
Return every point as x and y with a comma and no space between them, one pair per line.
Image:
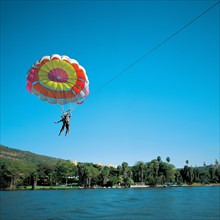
61,130
67,128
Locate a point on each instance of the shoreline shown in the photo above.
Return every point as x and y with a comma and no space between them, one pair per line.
114,187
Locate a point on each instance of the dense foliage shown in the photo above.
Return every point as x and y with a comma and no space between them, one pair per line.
21,169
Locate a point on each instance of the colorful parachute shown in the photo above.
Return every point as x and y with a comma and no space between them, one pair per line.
58,79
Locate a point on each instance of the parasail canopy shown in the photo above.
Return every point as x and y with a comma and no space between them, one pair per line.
58,79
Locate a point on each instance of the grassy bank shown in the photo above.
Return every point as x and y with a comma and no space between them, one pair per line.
48,187
63,187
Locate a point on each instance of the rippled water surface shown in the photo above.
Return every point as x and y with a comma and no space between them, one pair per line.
145,203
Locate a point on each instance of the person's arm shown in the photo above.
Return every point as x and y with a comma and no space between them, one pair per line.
58,121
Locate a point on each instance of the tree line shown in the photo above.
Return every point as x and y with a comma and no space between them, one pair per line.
20,173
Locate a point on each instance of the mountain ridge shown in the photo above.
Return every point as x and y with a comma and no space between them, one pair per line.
16,154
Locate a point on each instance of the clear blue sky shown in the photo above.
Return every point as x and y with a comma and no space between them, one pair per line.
165,105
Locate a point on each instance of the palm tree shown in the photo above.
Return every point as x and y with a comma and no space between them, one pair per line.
168,159
125,169
139,171
159,159
88,175
105,174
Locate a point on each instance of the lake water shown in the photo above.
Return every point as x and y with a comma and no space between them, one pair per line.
142,203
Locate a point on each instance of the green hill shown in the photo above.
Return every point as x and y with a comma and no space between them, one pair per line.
15,154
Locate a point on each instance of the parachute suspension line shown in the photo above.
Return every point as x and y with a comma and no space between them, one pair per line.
73,106
56,106
62,108
69,107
